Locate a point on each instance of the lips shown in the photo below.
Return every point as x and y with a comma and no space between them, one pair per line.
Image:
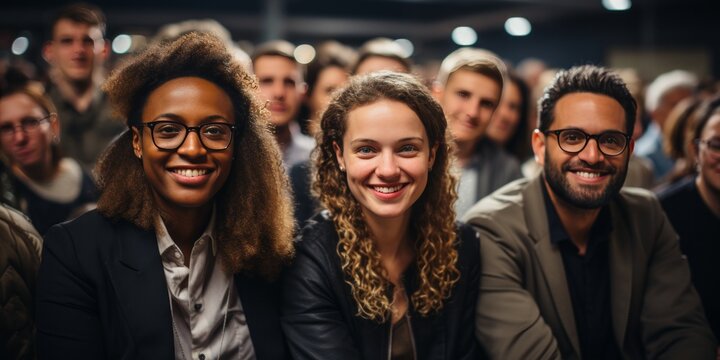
387,192
387,189
190,177
190,172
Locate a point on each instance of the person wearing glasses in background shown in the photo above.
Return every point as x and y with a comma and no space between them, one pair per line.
693,208
193,222
46,186
573,266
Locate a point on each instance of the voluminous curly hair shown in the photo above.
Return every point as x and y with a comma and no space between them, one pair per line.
432,215
254,211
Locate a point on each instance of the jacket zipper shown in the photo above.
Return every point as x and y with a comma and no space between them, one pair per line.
412,336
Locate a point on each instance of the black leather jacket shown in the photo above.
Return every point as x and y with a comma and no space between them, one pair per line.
319,312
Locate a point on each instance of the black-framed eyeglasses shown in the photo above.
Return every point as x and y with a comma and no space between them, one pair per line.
170,135
27,125
610,143
712,144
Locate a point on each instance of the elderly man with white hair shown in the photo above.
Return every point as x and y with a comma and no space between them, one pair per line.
661,96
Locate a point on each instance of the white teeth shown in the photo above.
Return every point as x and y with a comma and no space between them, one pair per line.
387,189
190,172
588,175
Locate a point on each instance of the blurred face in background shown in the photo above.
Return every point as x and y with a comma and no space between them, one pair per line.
75,50
708,157
379,63
282,85
329,79
27,132
506,118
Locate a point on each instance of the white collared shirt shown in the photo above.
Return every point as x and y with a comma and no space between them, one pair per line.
199,300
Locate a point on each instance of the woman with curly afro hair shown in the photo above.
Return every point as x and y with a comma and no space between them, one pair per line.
193,224
384,272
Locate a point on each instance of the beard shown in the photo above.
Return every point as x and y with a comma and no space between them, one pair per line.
583,197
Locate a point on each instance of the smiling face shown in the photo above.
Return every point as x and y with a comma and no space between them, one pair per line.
387,157
32,148
191,175
468,100
588,179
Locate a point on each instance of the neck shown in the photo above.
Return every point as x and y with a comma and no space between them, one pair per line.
391,240
283,136
464,151
78,93
186,225
710,196
39,173
576,221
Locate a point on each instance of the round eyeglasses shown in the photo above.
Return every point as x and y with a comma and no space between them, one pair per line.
170,135
27,125
610,143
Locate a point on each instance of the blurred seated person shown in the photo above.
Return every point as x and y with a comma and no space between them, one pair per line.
693,208
49,188
381,54
508,127
328,72
678,139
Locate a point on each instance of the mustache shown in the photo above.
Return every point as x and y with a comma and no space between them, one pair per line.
582,165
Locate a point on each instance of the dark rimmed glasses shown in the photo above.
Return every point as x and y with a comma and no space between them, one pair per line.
27,125
170,135
712,144
610,143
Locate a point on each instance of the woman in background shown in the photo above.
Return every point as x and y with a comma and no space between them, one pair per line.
509,125
385,273
193,222
47,187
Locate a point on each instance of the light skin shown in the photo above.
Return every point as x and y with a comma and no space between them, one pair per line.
30,153
281,84
378,63
587,175
329,79
708,180
468,100
75,52
387,158
506,118
184,199
667,103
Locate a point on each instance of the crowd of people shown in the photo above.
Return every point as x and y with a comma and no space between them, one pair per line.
205,203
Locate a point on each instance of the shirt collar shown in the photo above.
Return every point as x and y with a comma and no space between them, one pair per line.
165,241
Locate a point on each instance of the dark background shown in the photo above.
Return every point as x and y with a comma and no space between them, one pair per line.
653,36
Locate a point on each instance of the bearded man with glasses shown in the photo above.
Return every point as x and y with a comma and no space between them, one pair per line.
573,266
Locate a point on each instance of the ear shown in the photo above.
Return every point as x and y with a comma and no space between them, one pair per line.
55,126
48,52
137,142
433,152
538,146
339,154
438,90
105,50
631,147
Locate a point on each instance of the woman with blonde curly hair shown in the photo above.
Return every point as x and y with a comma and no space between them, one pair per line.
193,222
385,272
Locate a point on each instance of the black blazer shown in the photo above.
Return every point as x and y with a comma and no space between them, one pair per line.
102,295
319,312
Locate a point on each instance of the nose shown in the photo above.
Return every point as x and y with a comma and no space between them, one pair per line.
278,90
20,135
192,146
591,154
388,167
472,110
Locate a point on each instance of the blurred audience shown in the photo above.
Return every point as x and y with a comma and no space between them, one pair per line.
282,86
661,96
76,51
509,125
49,188
693,208
381,54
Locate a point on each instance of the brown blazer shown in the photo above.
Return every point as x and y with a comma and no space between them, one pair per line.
524,309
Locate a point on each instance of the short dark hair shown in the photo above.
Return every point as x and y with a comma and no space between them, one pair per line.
381,47
586,78
83,13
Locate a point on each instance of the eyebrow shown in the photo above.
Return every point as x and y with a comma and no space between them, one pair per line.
177,118
363,140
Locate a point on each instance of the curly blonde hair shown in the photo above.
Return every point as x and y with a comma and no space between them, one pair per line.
254,208
432,215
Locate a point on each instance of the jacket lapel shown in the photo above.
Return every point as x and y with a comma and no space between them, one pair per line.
137,275
621,272
549,258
